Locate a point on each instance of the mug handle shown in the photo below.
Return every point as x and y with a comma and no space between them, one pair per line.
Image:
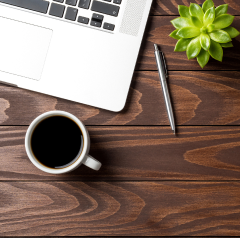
92,163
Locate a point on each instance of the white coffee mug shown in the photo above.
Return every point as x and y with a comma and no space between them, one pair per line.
83,157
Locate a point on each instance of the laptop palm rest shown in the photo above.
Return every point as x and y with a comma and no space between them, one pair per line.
23,48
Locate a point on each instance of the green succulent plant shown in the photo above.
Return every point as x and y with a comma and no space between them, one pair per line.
203,31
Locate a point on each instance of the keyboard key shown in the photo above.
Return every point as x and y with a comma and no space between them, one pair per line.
71,2
117,1
107,0
108,26
83,20
61,1
56,10
71,14
96,23
84,4
34,5
97,17
105,8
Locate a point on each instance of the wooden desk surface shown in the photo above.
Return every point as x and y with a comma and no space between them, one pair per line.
151,183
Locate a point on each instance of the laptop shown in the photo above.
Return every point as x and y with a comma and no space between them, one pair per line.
80,50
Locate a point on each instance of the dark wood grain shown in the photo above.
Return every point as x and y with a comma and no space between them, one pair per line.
196,98
170,7
119,208
137,153
158,30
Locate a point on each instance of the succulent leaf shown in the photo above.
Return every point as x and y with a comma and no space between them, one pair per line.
232,31
209,16
196,22
216,51
207,4
227,45
223,21
196,10
184,11
174,35
220,36
181,22
182,45
222,9
188,32
194,48
210,28
203,58
205,41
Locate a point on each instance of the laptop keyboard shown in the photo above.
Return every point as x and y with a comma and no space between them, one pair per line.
69,10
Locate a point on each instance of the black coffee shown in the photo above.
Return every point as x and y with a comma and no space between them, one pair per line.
57,141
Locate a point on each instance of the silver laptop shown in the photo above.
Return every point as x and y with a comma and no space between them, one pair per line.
81,50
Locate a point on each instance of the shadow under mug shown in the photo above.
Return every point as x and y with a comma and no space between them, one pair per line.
83,158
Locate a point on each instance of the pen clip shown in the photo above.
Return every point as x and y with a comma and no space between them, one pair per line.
166,72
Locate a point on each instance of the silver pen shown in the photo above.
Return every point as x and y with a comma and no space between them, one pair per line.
162,70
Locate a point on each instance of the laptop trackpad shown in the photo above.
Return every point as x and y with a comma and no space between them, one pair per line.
23,48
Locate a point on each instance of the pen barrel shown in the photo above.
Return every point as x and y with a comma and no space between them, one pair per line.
168,103
161,69
162,76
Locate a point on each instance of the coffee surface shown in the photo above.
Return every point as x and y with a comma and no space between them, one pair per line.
56,142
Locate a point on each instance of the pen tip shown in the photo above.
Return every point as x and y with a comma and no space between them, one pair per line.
155,47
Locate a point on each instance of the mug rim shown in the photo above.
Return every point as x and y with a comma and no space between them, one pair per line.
77,161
